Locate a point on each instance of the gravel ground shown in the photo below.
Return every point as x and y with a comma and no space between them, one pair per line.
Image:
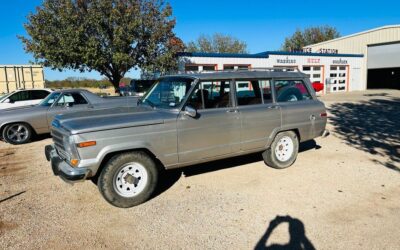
343,192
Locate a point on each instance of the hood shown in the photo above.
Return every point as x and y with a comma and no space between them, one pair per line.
18,109
105,119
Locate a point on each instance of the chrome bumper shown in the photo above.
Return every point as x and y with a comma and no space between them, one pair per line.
62,168
326,133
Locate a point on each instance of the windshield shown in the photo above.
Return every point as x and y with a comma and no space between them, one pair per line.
4,96
50,99
168,93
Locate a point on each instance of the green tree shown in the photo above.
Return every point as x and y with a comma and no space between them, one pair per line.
309,36
217,43
108,36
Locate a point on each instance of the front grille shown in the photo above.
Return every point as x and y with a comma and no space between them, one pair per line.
59,143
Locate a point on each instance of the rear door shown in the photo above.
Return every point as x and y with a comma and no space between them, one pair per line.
216,129
259,115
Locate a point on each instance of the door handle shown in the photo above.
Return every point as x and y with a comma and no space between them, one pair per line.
273,107
231,111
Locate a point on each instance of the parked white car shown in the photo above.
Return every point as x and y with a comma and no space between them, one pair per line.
24,97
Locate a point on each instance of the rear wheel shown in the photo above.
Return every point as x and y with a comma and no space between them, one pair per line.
283,150
17,133
128,179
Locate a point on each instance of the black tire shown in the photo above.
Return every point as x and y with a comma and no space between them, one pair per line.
270,157
17,133
109,177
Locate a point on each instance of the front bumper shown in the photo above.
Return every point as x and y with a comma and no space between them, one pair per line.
61,168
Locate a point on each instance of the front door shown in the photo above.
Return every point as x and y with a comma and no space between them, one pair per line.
67,103
215,131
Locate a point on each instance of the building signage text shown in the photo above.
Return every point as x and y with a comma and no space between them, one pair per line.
313,60
339,61
328,51
286,60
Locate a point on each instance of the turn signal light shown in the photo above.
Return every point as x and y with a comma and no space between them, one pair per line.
74,162
86,144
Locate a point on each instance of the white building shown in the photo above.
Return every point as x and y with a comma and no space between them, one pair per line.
344,64
381,50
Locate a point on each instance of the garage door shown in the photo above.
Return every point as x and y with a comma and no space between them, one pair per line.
384,56
384,66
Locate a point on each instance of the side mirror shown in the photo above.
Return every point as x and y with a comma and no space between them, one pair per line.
190,111
7,101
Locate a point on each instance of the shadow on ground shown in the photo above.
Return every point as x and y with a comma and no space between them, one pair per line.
297,233
372,126
168,178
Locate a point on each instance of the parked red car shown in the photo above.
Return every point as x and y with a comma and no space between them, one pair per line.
318,86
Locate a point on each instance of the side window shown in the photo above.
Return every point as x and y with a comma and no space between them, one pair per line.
208,95
20,96
73,98
248,92
266,90
291,91
39,94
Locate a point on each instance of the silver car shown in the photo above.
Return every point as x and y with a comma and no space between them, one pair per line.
184,120
18,125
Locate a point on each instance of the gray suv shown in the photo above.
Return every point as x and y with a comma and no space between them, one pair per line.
183,120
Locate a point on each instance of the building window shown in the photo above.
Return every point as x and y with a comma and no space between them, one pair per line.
306,68
236,67
191,68
209,68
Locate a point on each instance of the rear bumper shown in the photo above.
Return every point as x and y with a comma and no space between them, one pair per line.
325,133
62,169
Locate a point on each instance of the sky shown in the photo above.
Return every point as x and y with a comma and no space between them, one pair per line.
262,24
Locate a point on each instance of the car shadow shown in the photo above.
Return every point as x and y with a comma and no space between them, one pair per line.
41,137
297,233
371,126
169,177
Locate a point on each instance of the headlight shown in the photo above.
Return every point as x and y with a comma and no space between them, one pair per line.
70,149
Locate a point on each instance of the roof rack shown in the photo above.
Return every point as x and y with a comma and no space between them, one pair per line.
270,69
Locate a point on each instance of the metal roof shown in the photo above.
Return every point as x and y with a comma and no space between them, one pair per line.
265,54
355,34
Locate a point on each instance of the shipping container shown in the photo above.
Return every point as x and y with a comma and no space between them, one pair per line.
13,77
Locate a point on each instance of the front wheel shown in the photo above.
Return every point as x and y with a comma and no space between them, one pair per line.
283,150
128,179
17,133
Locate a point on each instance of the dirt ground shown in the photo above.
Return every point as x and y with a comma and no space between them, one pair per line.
343,192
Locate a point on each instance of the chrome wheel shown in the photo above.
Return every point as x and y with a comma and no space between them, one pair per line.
131,179
284,149
17,133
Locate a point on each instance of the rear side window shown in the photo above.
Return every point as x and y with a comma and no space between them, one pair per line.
74,98
291,91
253,92
248,93
39,94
